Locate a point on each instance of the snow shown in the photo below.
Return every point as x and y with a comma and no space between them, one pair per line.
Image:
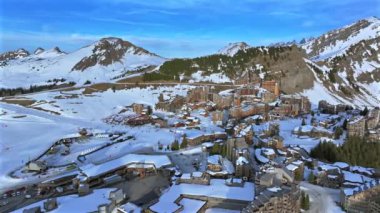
241,161
70,203
259,157
191,205
354,178
232,48
291,167
213,159
217,189
219,210
274,189
268,151
362,187
51,64
214,77
341,165
360,169
95,170
322,199
341,46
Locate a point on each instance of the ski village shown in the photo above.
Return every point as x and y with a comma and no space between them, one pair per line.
113,128
194,149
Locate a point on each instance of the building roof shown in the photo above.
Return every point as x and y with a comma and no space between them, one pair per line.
158,161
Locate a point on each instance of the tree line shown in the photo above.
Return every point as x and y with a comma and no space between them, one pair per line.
31,89
355,151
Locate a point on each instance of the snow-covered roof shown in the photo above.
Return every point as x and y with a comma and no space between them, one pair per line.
353,177
70,203
327,167
241,161
297,162
274,189
197,174
291,167
268,151
191,205
92,170
217,189
213,159
259,157
341,165
363,187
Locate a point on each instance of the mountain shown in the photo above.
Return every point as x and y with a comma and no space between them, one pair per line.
39,50
232,48
20,53
109,51
337,42
348,60
341,66
103,61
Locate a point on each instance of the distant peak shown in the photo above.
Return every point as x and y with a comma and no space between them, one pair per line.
39,50
372,19
22,50
57,50
232,48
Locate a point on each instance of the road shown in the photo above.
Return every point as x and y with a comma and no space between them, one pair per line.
322,199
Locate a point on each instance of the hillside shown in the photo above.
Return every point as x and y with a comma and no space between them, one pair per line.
102,61
348,61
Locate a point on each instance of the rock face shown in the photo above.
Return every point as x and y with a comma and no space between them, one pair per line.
20,53
232,48
106,60
349,60
108,51
336,42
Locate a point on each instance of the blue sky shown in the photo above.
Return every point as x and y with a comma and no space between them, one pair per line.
172,28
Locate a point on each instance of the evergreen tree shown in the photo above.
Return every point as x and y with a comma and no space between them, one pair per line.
344,125
175,145
364,112
184,142
298,175
311,178
303,122
149,110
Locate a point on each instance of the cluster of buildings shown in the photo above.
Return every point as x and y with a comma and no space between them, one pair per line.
246,170
367,126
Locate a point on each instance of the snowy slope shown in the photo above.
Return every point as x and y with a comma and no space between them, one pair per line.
336,42
37,69
232,48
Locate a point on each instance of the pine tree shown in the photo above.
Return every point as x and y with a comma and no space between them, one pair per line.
184,142
303,122
175,145
311,178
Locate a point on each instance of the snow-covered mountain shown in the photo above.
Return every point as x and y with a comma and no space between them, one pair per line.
232,48
20,53
337,42
347,61
102,61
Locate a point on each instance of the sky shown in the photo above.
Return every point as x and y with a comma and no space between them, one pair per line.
172,28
